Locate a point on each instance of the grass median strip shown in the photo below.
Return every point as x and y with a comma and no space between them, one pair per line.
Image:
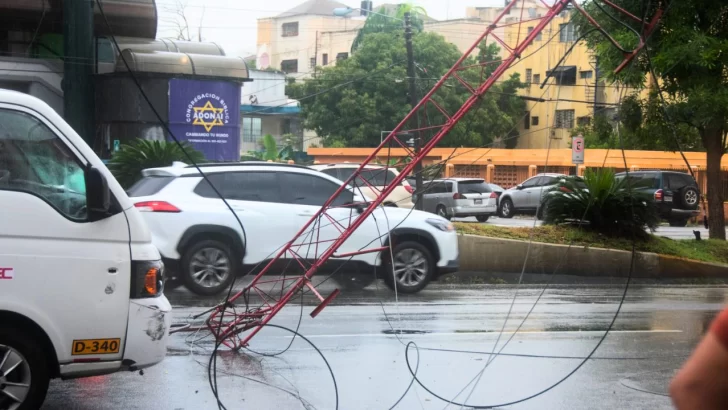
709,250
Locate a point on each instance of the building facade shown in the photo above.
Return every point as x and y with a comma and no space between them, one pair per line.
574,93
193,86
265,109
292,42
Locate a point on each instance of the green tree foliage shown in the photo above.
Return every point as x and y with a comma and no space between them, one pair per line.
641,125
608,205
127,164
687,53
371,96
384,21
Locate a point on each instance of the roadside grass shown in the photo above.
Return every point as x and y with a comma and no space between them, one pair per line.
707,250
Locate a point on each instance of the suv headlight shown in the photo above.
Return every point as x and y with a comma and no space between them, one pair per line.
442,225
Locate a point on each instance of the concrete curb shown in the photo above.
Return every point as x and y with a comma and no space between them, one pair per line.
495,255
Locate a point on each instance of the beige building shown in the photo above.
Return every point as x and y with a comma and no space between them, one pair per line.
572,94
306,36
309,35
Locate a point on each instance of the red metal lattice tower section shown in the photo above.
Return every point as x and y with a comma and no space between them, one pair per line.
226,323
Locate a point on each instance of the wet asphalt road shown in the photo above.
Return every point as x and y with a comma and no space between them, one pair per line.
528,222
656,329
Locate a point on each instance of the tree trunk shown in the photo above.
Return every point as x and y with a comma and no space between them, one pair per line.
716,219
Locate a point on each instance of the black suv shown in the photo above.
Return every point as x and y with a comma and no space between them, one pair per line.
676,193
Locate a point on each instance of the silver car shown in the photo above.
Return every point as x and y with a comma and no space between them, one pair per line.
460,197
527,196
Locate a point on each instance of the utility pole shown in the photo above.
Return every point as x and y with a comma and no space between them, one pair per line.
596,86
78,67
413,102
315,55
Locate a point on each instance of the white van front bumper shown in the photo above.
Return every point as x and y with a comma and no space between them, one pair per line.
147,332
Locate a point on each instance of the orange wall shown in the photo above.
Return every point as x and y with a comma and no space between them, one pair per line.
525,157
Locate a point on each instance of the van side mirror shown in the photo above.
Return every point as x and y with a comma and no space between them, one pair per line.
98,197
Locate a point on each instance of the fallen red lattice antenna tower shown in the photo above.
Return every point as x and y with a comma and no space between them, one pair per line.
227,324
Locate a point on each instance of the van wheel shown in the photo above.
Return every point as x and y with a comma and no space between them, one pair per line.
442,212
413,268
482,218
208,267
24,374
679,222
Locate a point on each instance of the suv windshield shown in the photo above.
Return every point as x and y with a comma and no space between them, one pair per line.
473,187
651,180
373,176
149,186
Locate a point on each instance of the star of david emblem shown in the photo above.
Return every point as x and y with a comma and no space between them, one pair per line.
207,124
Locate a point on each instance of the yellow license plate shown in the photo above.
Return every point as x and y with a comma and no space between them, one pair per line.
95,346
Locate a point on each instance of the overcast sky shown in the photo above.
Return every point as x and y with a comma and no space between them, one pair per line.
232,23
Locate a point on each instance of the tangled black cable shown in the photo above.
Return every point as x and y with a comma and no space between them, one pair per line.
585,359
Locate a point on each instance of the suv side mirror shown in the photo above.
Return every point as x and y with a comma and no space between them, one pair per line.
98,197
519,186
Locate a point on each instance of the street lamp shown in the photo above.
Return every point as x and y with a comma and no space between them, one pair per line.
344,11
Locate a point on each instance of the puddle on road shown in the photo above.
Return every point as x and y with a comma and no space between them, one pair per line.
405,332
594,327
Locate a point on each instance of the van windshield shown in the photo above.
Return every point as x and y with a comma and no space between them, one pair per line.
473,187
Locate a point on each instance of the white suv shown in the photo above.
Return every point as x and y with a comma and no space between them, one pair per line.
375,176
204,247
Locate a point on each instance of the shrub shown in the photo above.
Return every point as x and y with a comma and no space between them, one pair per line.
127,164
605,204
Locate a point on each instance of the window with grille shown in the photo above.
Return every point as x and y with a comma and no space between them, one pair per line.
538,36
583,121
313,62
289,66
290,29
342,56
567,32
586,74
529,75
537,78
252,129
534,120
324,59
564,119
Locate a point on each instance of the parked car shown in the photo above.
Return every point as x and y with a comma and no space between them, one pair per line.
498,192
578,183
375,176
526,196
460,197
676,193
81,286
203,245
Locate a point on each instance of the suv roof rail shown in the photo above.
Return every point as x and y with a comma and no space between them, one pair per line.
246,163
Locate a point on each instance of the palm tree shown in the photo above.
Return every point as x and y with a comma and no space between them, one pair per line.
386,21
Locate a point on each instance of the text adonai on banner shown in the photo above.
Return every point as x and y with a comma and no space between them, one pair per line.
207,115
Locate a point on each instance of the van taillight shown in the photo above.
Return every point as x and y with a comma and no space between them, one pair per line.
409,189
458,195
147,279
493,195
658,195
156,206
